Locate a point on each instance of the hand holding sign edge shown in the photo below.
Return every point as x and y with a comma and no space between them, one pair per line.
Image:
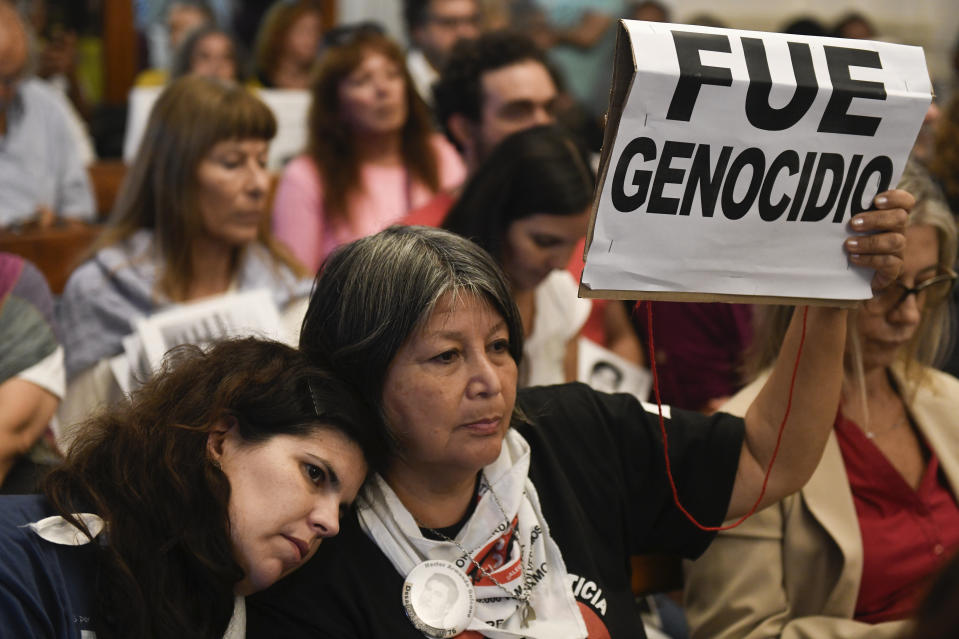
880,238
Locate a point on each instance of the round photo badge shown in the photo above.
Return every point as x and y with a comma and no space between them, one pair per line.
439,598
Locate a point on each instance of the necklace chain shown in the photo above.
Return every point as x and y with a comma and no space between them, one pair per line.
526,590
871,434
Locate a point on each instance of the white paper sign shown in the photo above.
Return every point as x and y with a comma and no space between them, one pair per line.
290,107
734,160
252,314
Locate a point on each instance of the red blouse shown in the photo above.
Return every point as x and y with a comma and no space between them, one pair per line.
906,534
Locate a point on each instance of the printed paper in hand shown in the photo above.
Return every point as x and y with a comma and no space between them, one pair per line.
235,315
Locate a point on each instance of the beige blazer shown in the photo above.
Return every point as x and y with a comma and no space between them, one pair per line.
793,570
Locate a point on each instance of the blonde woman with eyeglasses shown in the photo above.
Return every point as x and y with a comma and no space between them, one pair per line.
851,553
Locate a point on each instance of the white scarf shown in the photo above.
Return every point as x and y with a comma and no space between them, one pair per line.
391,526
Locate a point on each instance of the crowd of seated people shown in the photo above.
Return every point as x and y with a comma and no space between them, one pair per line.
413,214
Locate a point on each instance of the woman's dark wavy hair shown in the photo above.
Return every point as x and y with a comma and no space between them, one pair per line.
372,294
167,568
535,171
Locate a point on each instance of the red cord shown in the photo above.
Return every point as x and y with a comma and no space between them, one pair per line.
662,426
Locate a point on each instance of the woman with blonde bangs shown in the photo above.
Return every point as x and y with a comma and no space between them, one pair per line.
190,223
852,552
372,154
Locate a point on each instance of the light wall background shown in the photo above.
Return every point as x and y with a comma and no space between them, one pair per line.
931,24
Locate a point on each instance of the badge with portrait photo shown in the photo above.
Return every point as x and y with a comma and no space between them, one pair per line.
438,598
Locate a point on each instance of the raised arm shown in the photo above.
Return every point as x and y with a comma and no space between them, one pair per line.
819,376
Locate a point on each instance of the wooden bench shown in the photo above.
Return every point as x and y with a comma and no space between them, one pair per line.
106,176
56,250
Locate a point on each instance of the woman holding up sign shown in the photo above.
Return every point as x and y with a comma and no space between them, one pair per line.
530,501
851,553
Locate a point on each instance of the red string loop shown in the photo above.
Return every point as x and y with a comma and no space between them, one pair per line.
662,426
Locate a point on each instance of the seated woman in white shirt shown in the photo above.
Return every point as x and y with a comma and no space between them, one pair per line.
528,206
190,223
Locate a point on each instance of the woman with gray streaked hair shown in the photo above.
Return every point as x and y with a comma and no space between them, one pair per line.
506,488
850,554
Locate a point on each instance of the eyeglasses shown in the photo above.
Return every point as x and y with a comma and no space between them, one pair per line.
347,33
455,22
928,293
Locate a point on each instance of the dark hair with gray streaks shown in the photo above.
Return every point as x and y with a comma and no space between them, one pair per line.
372,294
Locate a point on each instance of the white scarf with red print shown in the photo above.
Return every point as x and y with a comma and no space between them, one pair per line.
487,535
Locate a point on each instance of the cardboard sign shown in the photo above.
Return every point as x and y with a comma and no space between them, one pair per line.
734,160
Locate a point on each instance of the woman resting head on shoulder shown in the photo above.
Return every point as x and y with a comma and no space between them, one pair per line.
190,222
216,478
372,155
851,553
528,206
530,500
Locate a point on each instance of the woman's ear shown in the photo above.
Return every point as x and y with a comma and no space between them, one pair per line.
216,440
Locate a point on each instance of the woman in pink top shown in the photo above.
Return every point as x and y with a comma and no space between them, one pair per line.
372,155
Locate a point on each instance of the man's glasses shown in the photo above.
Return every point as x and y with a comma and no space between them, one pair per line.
928,293
455,22
347,33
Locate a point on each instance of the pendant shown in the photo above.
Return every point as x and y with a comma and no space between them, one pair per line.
438,598
527,614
